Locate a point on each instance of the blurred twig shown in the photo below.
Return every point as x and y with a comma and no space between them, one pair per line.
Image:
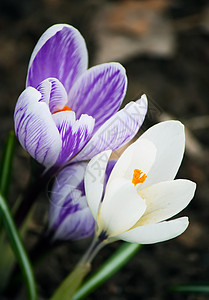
199,122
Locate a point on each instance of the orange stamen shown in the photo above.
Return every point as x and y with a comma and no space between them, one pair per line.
63,109
138,177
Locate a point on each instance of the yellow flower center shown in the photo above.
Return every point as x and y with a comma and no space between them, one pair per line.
138,177
63,109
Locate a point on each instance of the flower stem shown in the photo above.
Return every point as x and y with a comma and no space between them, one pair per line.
107,269
69,286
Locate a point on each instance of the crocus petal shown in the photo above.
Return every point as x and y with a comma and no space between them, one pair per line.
99,92
77,225
74,133
68,179
110,166
53,93
165,199
45,89
169,139
94,180
155,233
35,128
139,155
60,53
69,214
121,208
117,131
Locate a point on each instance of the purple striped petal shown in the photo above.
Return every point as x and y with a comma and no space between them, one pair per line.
117,131
74,133
53,93
35,128
61,53
99,92
69,214
78,225
110,166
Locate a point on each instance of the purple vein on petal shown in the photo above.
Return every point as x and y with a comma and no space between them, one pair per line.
53,93
62,56
35,128
76,226
69,215
74,133
74,220
68,207
99,92
115,132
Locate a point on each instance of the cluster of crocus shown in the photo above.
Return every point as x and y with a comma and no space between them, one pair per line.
139,195
68,113
130,199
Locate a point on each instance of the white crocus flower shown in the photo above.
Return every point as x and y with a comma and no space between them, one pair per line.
141,192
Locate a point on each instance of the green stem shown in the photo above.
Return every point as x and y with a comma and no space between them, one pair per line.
69,286
18,248
108,269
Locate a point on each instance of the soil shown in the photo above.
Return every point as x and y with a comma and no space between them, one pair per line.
170,65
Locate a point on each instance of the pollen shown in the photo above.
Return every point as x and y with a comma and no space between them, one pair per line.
65,108
138,177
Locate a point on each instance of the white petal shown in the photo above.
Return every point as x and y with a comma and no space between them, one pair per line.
121,208
94,180
169,139
155,233
143,104
166,199
140,155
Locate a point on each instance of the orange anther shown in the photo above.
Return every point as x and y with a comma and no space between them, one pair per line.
63,109
138,177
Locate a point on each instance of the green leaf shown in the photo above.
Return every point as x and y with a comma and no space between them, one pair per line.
18,249
7,258
108,269
191,288
7,263
6,164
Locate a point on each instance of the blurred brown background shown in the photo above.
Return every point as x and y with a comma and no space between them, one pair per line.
164,45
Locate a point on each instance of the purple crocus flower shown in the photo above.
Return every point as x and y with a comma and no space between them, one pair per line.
68,113
69,215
